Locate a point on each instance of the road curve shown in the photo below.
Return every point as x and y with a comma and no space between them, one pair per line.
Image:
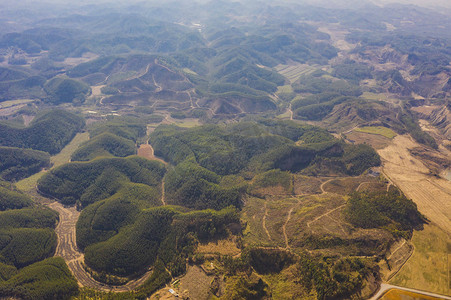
68,250
387,287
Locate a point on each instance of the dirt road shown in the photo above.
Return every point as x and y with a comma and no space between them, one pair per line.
431,194
68,250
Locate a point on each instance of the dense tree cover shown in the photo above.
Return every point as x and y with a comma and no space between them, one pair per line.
35,217
26,238
19,163
358,158
114,137
390,210
48,132
352,71
88,182
48,279
269,261
23,246
203,154
128,128
191,185
164,233
105,144
12,199
317,85
103,219
30,87
337,279
412,126
62,90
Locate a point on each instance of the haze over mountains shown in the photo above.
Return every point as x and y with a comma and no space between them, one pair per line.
224,149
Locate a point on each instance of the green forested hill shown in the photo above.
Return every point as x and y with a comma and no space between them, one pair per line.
19,163
88,182
49,132
203,154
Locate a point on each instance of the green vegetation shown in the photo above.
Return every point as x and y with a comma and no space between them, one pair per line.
23,246
274,178
11,199
164,233
352,71
88,182
103,219
384,131
28,218
19,163
332,280
66,90
105,144
203,154
316,85
412,127
49,132
390,210
48,279
128,128
191,185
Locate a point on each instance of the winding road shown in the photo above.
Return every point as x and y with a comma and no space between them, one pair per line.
68,250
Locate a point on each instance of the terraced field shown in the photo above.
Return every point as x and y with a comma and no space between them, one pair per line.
294,71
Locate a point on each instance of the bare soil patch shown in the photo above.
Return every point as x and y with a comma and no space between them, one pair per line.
223,247
197,283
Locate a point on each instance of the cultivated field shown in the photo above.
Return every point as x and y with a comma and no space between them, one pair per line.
295,70
378,130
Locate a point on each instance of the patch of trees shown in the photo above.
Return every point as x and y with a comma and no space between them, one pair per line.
352,71
49,132
269,261
23,246
103,219
105,144
164,234
18,84
128,128
191,185
19,163
88,182
62,90
317,107
412,127
390,210
203,154
317,85
273,178
331,279
12,199
358,158
33,217
47,279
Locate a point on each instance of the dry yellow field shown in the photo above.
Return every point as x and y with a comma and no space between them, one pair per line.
405,295
431,194
428,268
